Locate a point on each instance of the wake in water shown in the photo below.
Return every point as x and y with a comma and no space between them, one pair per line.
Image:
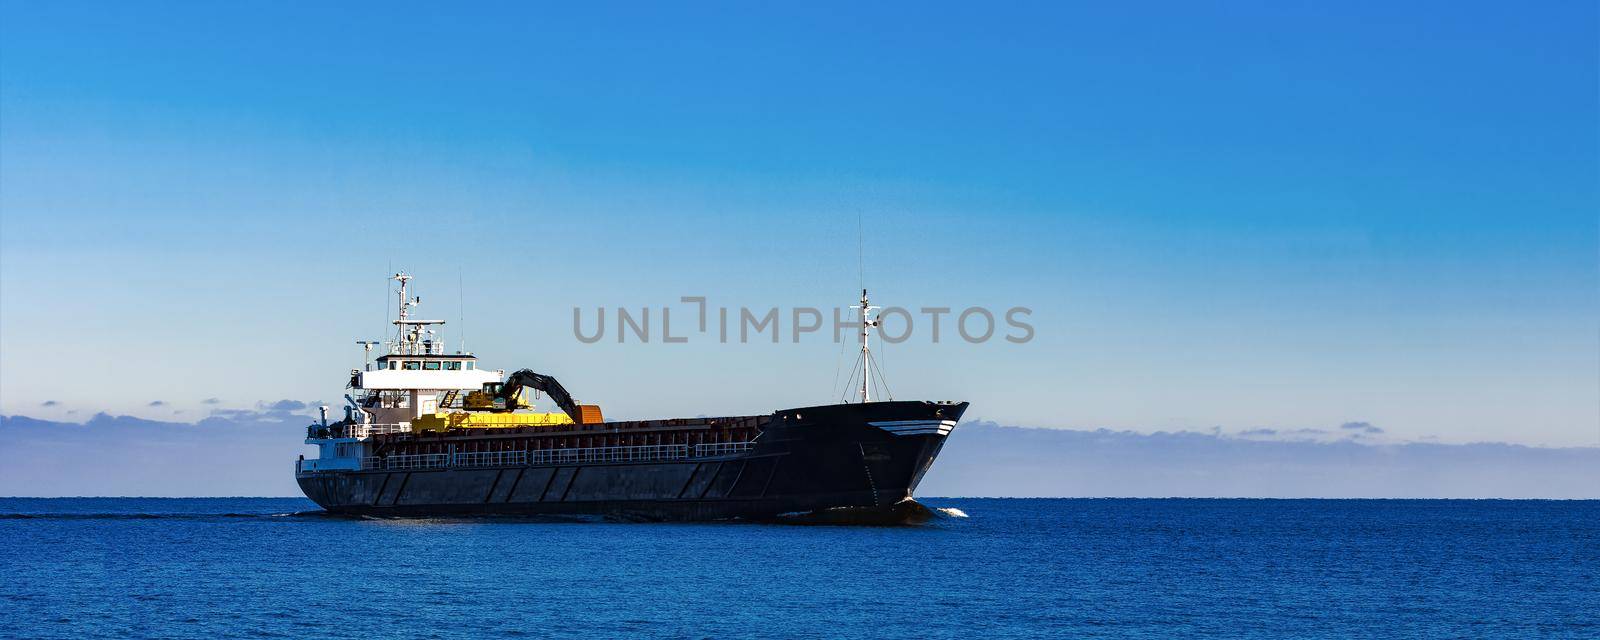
491,518
162,516
904,513
907,512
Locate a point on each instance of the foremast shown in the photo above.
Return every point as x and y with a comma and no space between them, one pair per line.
868,323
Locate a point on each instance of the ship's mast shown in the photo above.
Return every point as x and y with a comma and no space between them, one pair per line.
414,337
405,303
867,324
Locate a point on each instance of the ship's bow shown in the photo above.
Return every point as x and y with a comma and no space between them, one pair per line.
861,455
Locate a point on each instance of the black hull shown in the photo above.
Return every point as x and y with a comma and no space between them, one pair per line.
806,461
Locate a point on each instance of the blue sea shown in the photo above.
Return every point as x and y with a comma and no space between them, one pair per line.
265,568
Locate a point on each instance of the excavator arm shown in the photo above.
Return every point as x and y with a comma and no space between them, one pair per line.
580,413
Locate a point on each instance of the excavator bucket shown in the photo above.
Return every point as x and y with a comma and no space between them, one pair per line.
589,414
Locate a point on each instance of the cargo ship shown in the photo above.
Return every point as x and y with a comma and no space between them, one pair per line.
427,433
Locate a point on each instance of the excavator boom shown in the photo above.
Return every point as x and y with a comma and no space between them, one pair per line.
580,413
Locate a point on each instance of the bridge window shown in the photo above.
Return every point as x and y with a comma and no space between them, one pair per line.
431,366
453,366
411,365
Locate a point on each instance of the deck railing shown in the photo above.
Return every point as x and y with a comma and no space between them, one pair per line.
357,431
418,461
721,448
490,459
643,453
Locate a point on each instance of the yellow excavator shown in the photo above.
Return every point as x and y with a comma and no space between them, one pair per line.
495,406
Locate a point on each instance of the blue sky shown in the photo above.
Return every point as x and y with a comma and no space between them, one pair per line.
1243,215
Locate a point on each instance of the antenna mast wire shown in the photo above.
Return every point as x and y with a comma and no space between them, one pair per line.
461,307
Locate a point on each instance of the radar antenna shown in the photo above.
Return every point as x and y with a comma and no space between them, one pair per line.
367,345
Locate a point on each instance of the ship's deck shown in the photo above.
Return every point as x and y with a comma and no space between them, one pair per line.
710,424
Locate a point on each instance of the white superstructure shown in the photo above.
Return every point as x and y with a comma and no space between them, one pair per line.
414,378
